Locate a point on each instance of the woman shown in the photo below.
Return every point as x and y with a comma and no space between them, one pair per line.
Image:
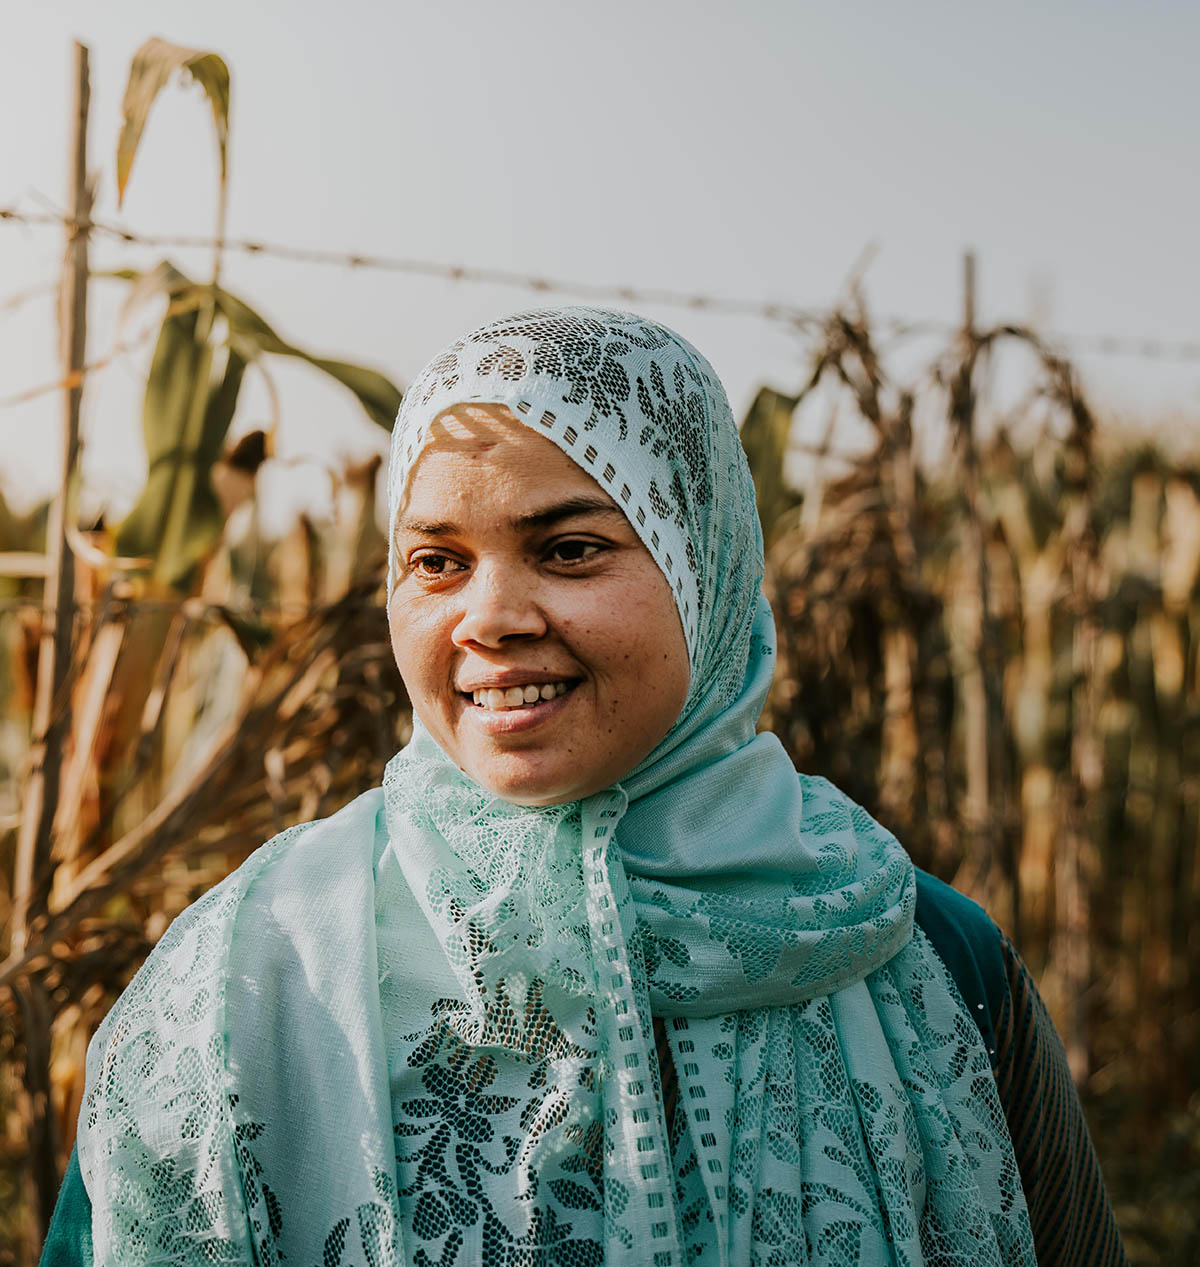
594,976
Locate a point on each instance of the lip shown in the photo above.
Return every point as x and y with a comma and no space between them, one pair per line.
516,721
515,677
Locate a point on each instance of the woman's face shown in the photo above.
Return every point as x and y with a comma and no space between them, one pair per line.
519,579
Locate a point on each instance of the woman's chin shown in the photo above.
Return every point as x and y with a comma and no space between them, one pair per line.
522,781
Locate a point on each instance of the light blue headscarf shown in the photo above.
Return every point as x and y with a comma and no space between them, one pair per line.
835,1103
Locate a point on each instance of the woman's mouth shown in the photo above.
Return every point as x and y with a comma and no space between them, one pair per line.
509,711
503,699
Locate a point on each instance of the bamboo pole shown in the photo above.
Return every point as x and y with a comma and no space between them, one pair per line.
973,613
51,714
1070,950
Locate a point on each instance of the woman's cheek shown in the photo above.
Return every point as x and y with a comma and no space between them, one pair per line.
420,643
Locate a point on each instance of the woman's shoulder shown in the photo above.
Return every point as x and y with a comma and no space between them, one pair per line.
970,945
318,895
945,913
298,866
350,839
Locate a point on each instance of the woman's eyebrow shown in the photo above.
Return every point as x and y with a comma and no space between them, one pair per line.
547,515
428,527
582,505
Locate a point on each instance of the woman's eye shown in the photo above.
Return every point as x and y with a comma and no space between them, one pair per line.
573,551
431,565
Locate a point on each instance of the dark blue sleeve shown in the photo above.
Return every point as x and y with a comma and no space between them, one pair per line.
1069,1209
971,947
69,1242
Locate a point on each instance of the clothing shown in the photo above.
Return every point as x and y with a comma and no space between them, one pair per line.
504,962
1070,1214
1072,1220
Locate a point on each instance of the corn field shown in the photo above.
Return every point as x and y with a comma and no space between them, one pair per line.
997,653
1003,666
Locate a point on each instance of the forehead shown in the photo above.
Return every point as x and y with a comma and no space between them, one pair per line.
476,427
481,453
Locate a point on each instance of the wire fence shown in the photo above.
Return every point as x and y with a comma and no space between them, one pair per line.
796,316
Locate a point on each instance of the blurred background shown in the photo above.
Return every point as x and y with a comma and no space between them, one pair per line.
944,260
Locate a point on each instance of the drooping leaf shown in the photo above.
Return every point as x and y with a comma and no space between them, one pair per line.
765,434
196,521
252,336
169,387
188,411
153,65
377,394
185,419
163,279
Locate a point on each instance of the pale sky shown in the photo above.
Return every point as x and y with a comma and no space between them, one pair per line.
751,149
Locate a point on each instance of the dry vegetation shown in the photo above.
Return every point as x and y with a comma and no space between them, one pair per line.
1001,659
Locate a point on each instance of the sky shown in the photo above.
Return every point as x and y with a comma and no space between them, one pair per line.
752,149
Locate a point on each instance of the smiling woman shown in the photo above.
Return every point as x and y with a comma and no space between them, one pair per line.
595,977
538,639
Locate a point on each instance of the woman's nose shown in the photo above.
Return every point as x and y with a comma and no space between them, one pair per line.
499,606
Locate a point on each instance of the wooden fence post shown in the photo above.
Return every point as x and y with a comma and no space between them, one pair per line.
977,807
52,713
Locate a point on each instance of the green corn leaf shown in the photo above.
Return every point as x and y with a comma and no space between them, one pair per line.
169,388
377,394
153,65
188,411
253,336
185,419
164,279
765,432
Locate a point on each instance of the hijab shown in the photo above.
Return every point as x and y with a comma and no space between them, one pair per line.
835,1101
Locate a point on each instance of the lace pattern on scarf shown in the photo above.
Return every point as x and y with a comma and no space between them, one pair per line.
834,1100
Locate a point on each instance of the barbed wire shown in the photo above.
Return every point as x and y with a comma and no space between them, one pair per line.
793,315
21,297
198,609
76,378
777,312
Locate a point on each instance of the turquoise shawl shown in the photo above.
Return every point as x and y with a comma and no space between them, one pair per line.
835,1102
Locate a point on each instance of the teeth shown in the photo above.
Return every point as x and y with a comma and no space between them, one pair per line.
518,696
